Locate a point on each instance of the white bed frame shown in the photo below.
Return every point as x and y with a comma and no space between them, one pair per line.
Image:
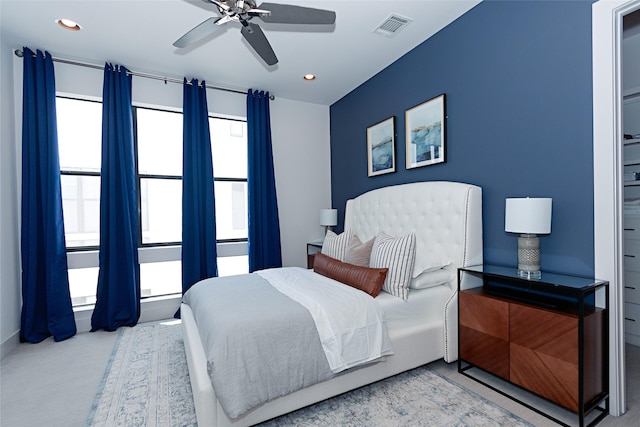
447,220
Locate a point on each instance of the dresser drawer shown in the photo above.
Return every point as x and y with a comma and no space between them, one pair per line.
632,254
484,332
632,286
632,228
544,353
632,318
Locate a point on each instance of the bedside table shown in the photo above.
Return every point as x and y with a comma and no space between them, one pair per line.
547,336
312,249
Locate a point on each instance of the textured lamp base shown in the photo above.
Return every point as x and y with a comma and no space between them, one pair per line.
529,256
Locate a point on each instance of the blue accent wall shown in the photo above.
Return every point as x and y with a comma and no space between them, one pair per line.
518,82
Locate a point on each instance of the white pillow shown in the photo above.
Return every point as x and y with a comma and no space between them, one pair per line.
398,255
335,245
430,265
431,278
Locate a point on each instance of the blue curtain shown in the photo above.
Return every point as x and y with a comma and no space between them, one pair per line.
199,253
264,227
46,303
118,293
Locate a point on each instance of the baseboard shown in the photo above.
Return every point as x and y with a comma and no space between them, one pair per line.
9,344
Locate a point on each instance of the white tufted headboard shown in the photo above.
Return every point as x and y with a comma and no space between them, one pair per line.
446,218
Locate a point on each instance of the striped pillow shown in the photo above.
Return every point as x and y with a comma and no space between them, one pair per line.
398,255
335,245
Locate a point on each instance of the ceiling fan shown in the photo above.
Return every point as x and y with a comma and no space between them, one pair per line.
243,11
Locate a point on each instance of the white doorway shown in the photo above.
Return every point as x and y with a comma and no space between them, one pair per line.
607,20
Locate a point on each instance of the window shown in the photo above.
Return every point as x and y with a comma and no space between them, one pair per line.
229,153
158,149
79,142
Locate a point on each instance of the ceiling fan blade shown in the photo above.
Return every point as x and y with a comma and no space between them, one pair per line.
289,14
221,4
256,38
199,32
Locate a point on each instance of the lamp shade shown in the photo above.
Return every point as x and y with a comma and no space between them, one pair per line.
528,215
328,217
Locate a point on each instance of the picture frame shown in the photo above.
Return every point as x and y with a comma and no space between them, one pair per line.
426,133
381,147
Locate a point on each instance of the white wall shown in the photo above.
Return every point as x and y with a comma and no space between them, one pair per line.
300,134
302,165
10,299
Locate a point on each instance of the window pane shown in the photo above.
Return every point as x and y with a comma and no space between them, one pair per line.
81,210
161,210
231,265
82,285
231,210
228,147
161,278
159,142
79,134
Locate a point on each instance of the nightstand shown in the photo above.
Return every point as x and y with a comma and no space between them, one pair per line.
548,336
312,249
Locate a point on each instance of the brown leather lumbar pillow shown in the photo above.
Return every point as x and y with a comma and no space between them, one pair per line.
366,279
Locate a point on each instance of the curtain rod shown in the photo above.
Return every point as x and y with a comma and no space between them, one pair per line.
20,54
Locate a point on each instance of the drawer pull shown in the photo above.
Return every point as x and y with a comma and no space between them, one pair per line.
630,287
629,256
629,229
627,318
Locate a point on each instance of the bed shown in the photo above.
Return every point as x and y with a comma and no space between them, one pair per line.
446,220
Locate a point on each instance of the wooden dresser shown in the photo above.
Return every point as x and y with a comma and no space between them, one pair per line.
547,336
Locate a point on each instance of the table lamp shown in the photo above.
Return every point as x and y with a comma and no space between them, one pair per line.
328,218
528,216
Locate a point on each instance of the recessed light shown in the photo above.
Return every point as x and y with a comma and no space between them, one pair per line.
68,24
309,77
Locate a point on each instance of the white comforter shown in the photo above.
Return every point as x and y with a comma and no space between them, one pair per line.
350,322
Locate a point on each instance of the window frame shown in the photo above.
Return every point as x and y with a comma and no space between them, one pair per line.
87,256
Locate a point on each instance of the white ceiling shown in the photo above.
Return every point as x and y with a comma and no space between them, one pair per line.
139,35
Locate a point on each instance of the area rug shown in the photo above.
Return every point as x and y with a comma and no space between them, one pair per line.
420,397
147,384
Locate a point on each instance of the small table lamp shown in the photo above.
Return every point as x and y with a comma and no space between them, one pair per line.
328,218
530,217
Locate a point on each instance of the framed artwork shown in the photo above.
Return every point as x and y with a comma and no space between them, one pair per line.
381,147
425,133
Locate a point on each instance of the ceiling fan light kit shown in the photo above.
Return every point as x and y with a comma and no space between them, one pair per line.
242,11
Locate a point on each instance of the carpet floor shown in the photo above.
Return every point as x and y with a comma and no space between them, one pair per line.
54,384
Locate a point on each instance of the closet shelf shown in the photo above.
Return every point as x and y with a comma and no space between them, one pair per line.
631,92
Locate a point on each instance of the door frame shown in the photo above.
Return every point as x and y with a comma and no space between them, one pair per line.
608,191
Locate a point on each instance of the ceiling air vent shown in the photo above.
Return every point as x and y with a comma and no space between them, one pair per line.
392,25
